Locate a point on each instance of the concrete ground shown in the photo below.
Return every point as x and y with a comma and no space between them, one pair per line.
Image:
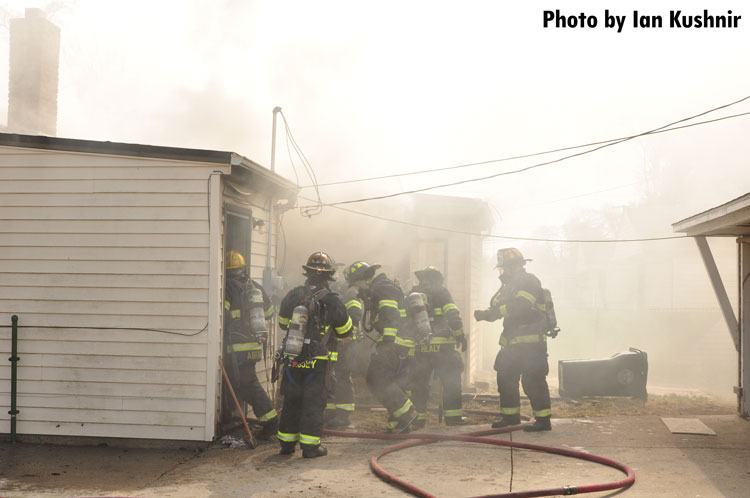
665,465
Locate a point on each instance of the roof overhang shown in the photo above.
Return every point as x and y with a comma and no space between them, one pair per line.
731,219
251,175
244,171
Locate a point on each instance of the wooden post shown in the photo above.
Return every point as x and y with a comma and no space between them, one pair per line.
253,444
719,290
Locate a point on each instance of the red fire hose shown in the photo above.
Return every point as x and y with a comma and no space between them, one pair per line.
476,437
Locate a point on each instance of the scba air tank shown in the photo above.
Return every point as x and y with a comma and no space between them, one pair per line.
295,339
416,303
257,317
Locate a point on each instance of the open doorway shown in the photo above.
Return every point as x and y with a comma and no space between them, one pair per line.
238,222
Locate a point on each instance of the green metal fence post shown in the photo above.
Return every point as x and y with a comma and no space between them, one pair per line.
13,377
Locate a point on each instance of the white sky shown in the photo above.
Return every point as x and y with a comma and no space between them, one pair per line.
392,86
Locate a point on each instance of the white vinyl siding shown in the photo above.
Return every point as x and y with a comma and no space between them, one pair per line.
90,246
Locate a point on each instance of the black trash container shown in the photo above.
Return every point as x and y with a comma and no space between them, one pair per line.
624,374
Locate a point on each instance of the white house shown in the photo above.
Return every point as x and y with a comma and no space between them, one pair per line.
111,256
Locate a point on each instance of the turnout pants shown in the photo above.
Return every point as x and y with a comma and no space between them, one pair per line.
386,378
245,381
304,391
527,362
342,399
447,365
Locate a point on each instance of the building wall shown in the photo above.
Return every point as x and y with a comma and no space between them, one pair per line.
459,258
92,247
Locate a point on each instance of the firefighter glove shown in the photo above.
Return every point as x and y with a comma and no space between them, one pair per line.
480,315
462,341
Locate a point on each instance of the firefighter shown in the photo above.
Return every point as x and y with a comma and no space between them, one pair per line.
245,336
316,320
523,342
437,352
341,403
388,371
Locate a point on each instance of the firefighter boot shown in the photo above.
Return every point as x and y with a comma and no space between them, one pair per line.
329,416
420,422
405,422
340,420
309,451
506,420
288,448
269,429
540,424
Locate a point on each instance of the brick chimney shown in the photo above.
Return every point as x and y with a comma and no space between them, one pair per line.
34,62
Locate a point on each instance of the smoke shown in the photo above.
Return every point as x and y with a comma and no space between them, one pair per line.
407,87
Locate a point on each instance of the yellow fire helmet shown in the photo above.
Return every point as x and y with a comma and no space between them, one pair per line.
234,260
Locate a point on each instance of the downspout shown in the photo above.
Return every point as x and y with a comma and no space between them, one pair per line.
13,377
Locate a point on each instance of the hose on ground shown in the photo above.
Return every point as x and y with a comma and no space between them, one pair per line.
410,440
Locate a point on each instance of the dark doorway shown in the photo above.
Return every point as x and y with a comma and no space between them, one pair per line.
238,223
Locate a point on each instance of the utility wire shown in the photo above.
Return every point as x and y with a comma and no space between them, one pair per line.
308,211
513,158
109,328
609,144
546,163
507,237
553,201
291,161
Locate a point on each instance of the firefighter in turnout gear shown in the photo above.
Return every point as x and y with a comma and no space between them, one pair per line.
388,372
523,343
316,321
436,352
341,403
246,308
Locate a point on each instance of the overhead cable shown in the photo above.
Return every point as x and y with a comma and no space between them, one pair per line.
308,211
513,158
507,237
661,129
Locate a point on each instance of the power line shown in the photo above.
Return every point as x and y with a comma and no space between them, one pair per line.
595,192
308,211
460,182
140,329
606,143
507,237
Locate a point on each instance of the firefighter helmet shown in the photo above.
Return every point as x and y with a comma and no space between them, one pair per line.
359,270
510,256
234,260
429,274
319,263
